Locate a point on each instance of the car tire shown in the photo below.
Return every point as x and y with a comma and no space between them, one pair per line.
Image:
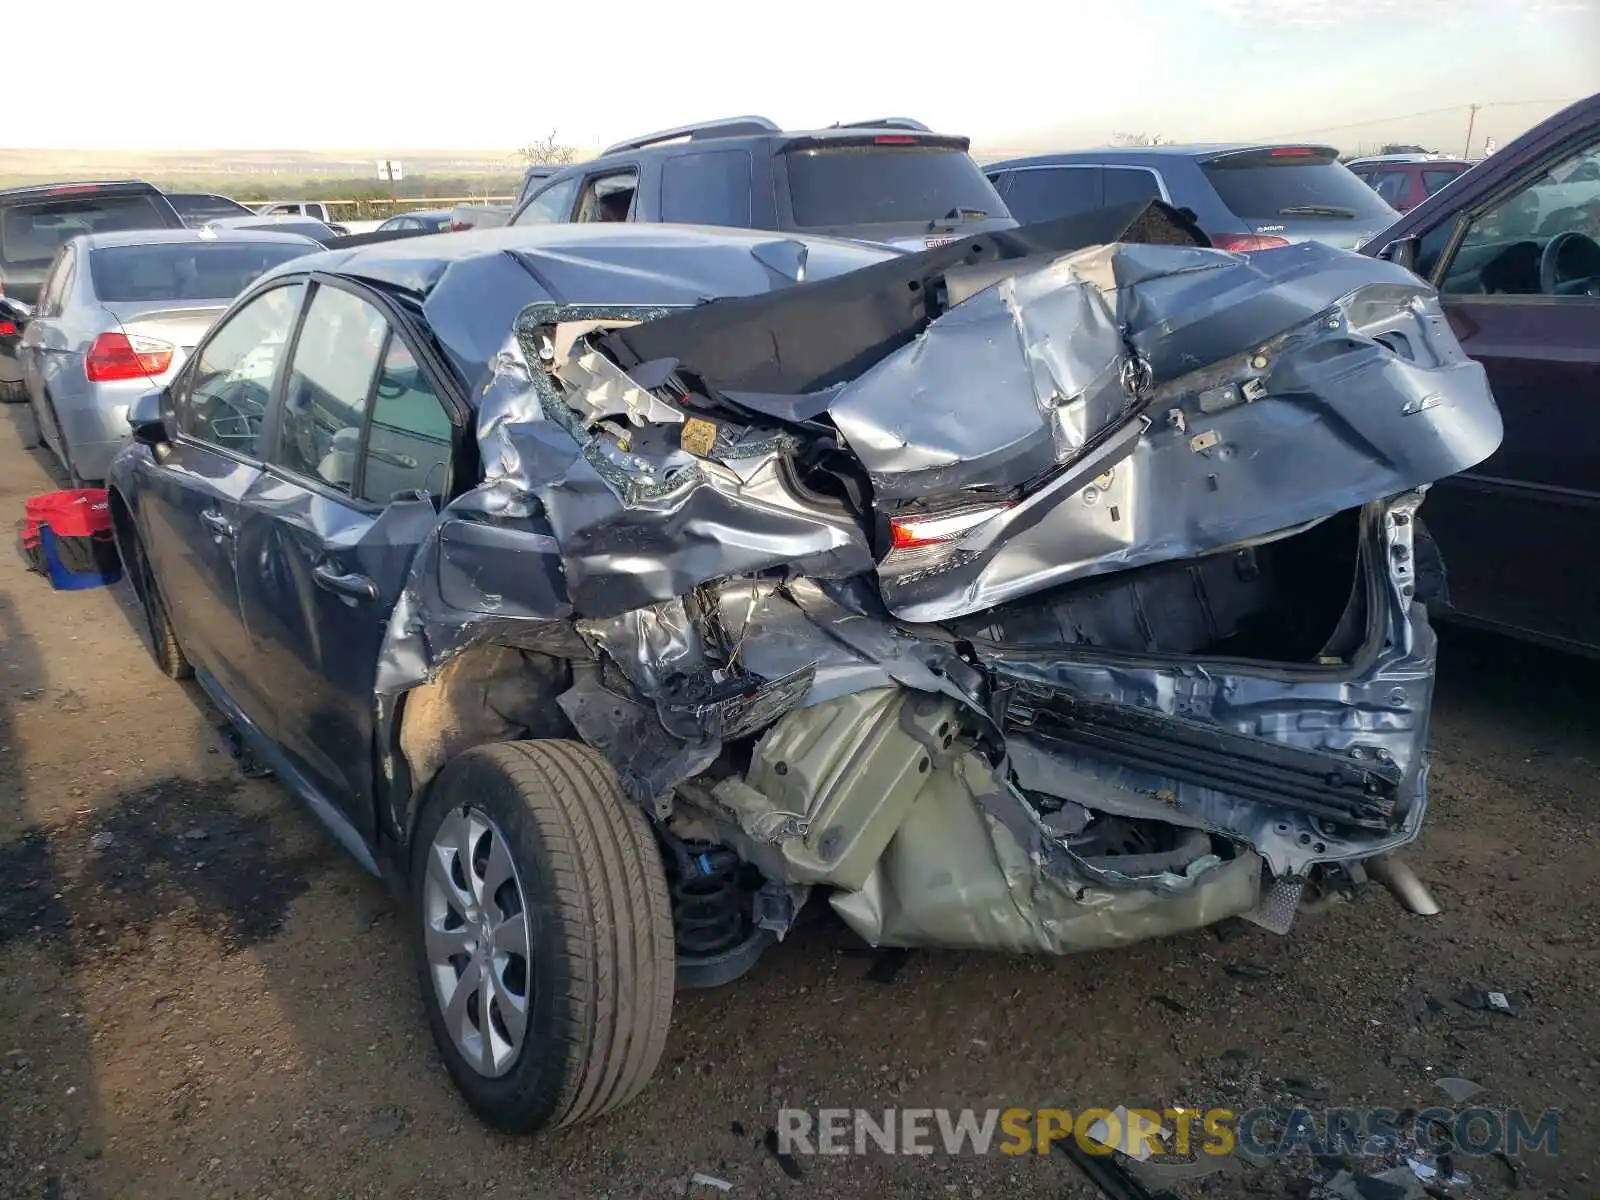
13,391
164,646
585,875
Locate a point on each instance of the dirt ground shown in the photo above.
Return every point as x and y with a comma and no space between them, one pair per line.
200,995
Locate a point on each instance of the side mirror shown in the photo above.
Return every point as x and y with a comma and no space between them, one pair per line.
145,419
1403,253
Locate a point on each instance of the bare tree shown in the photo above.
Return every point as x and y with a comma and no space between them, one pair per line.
547,152
1137,139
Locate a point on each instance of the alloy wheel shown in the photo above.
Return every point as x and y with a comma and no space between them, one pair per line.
475,931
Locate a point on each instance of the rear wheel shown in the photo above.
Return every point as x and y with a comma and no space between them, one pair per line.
164,646
543,934
13,391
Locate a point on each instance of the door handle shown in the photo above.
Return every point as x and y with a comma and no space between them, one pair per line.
331,579
217,523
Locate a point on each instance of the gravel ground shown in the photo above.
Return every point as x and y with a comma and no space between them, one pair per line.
200,995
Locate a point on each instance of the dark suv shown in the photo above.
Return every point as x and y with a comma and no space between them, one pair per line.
888,180
36,221
1244,197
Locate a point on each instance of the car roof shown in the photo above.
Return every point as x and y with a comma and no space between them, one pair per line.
471,286
1098,154
168,237
45,191
1435,159
440,214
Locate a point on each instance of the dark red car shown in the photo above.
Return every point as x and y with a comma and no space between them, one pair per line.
1406,180
1514,249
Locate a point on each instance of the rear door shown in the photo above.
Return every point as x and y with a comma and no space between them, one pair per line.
361,449
1520,533
190,503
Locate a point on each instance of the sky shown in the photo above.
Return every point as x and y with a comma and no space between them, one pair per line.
500,73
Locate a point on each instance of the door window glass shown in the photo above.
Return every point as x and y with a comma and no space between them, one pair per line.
608,197
335,359
223,400
1047,193
1126,185
1433,180
1391,185
408,445
551,206
1543,239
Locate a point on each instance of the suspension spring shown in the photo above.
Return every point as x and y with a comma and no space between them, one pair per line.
708,905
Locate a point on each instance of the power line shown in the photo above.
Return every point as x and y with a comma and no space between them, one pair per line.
1431,112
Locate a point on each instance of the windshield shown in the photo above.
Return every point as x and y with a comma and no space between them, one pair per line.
1261,186
30,234
882,185
184,270
198,209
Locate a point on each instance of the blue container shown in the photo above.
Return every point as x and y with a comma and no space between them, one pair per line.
75,563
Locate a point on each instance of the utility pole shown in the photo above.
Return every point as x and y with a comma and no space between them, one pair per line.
1472,119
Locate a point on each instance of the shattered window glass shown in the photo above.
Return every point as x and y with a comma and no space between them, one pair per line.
335,359
228,389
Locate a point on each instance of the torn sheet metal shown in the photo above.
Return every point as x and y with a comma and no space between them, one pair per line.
1267,395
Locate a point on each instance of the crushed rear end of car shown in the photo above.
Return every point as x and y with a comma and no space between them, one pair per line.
1039,592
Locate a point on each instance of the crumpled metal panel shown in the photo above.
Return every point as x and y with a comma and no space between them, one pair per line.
1267,392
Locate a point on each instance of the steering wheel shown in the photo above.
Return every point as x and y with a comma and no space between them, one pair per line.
1573,246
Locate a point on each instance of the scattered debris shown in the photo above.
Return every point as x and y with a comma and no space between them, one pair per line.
1511,1004
1458,1089
196,833
1307,1089
71,702
1171,1005
737,1129
887,964
1401,1062
1245,970
711,1181
103,840
249,766
788,1162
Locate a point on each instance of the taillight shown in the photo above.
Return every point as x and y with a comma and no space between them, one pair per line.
916,532
116,356
1238,242
1293,152
8,329
893,139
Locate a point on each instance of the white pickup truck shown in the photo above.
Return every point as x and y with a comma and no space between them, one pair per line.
316,209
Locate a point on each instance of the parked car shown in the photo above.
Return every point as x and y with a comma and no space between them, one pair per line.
432,221
1406,180
317,210
196,208
304,226
478,216
887,180
1514,250
612,624
36,221
1244,197
118,313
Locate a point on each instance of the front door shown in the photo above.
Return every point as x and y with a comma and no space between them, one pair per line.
360,452
189,504
1521,288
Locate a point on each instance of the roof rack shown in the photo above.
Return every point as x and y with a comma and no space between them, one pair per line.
884,123
730,127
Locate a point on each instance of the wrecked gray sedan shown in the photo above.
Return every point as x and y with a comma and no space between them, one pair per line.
617,591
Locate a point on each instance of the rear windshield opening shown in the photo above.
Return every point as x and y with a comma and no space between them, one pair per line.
884,185
1261,186
30,234
184,271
